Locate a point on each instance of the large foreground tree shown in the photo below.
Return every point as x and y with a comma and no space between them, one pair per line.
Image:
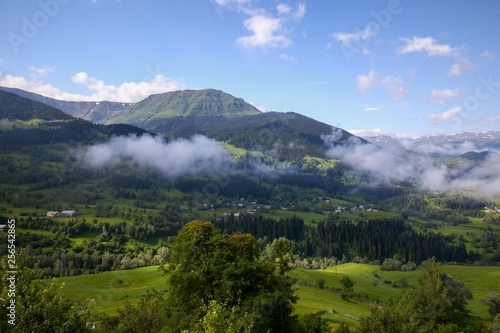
208,270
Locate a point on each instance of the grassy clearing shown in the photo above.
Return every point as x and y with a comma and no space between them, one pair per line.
480,279
110,289
315,300
308,217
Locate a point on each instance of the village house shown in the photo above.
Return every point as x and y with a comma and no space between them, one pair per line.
69,213
52,213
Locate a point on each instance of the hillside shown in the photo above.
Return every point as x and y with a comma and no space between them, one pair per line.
95,112
27,122
14,107
199,103
284,136
215,114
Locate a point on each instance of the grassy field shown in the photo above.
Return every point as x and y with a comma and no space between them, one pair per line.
110,289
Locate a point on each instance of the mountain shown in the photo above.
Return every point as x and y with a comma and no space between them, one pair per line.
204,102
475,156
289,136
185,103
28,122
215,114
441,145
96,112
14,107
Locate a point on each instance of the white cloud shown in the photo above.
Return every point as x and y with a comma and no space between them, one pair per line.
427,45
126,92
40,72
373,108
288,58
347,38
300,12
174,159
267,30
390,165
261,108
232,4
396,88
265,33
461,66
447,115
364,82
283,9
431,47
366,133
492,120
487,55
442,96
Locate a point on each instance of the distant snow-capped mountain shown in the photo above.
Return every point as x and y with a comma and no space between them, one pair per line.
441,145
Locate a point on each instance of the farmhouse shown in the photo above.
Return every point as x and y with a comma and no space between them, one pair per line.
3,227
52,213
69,213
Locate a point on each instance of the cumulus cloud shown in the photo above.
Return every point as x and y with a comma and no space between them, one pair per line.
174,159
364,82
492,120
487,55
394,165
396,88
265,33
126,92
268,28
347,38
437,118
431,47
288,58
461,66
427,45
366,133
283,9
40,72
442,96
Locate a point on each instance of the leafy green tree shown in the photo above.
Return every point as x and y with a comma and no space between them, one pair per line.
149,316
40,304
436,304
347,288
313,323
343,328
492,300
206,266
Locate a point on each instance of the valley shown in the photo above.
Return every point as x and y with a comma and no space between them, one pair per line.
275,176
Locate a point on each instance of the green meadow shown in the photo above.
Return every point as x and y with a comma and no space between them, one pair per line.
110,289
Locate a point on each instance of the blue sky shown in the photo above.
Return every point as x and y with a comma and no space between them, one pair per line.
412,67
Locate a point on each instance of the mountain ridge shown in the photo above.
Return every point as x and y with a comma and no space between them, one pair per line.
436,145
182,103
222,117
